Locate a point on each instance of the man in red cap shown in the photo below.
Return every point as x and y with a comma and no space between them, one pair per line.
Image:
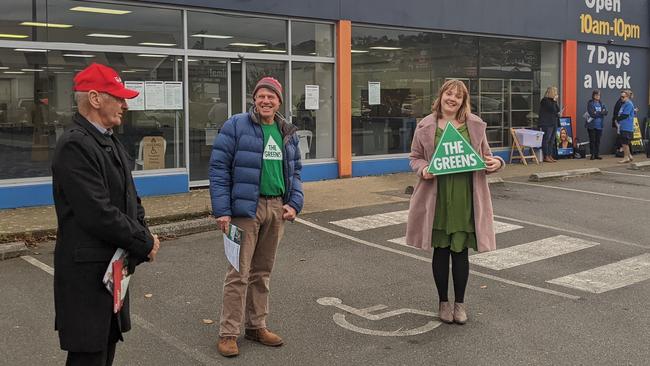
98,211
255,184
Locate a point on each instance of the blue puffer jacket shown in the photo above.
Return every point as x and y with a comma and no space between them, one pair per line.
236,166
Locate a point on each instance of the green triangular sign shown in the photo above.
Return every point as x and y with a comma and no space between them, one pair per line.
454,154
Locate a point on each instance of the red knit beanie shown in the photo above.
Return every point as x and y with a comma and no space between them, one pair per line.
271,84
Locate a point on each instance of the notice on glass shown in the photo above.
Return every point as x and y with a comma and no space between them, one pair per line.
311,97
137,103
154,95
173,95
374,92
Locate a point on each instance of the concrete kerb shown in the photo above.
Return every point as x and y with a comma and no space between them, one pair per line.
643,165
563,175
12,250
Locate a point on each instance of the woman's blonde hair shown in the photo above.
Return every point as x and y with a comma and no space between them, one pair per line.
551,92
465,107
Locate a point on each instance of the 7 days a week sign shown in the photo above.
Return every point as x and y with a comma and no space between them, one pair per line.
454,154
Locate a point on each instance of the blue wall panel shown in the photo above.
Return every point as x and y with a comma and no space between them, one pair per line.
316,172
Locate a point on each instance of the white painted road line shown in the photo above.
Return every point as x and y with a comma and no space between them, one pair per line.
627,174
530,252
574,232
499,227
580,191
608,277
373,221
167,338
428,260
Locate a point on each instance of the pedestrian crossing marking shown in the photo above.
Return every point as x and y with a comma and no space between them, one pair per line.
373,221
608,277
499,227
530,252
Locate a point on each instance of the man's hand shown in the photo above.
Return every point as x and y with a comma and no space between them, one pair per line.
289,213
492,164
223,222
154,250
426,175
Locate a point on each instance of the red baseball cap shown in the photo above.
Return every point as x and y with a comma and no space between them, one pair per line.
102,79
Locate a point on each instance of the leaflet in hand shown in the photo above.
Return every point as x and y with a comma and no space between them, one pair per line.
116,278
232,244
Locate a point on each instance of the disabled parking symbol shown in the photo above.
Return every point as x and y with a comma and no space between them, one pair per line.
340,320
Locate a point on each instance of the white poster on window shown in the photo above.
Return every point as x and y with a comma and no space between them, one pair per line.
154,95
137,103
311,97
374,92
173,95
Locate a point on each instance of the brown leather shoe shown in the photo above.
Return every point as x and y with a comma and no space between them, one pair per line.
460,314
264,336
227,346
445,313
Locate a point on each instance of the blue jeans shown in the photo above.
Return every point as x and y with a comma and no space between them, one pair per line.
548,140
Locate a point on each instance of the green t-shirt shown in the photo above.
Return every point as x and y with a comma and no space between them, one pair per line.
272,180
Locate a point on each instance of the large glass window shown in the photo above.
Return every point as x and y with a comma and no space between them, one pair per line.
312,39
208,31
37,103
313,108
90,22
396,75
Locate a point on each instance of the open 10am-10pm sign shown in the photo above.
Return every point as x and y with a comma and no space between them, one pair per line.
454,154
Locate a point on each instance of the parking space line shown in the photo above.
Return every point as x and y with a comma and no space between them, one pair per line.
534,251
580,191
592,236
373,221
428,260
38,264
627,174
608,277
165,337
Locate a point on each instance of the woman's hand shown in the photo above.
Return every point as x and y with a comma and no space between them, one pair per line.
426,175
492,164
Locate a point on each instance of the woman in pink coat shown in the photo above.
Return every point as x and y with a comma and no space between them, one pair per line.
453,212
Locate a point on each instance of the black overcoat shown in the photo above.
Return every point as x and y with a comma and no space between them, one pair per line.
98,211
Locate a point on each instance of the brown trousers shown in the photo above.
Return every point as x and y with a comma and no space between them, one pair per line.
246,293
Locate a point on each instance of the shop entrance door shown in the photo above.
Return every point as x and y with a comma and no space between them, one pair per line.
218,89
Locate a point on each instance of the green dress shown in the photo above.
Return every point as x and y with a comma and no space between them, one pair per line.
453,225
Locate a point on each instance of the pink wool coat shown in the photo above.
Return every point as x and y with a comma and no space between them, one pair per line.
423,201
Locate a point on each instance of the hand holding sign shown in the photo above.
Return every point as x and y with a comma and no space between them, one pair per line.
492,164
454,155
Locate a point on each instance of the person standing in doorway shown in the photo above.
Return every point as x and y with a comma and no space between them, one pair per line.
255,184
597,112
549,120
625,120
98,210
453,212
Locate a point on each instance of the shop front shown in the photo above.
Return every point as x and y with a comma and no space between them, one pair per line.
357,76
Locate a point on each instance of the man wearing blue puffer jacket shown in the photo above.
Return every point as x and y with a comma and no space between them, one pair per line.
255,184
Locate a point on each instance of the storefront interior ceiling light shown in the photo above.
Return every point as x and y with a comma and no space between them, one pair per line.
216,36
89,9
15,36
108,35
239,44
13,72
63,72
151,55
358,51
29,50
48,25
386,48
156,44
77,55
4,68
32,70
188,60
274,51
